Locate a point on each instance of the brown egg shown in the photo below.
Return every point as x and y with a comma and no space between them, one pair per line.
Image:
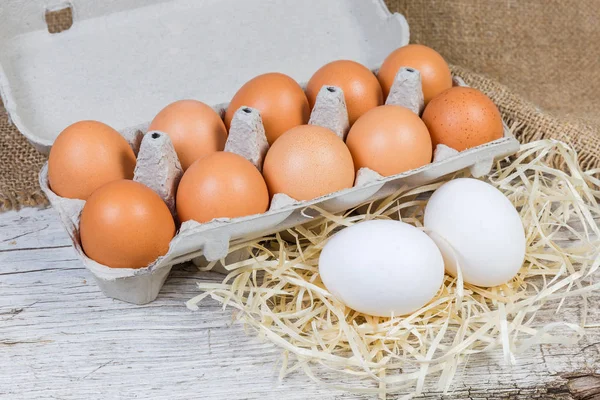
195,129
308,161
221,185
124,224
361,88
87,155
389,140
435,73
279,99
462,118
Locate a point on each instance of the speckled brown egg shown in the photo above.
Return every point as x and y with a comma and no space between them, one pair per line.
279,99
361,88
87,155
124,224
389,140
221,185
462,118
308,161
435,73
195,129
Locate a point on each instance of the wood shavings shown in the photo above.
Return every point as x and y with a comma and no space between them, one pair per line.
279,293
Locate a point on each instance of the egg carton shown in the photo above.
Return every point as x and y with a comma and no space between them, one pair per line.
158,168
122,61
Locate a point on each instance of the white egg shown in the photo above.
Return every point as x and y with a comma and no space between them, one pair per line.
382,267
473,221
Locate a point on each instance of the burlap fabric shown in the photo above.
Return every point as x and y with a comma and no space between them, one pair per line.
548,51
542,52
20,164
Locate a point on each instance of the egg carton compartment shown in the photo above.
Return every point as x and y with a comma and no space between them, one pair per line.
159,169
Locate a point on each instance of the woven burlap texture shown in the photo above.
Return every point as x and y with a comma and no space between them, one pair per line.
20,164
548,51
537,52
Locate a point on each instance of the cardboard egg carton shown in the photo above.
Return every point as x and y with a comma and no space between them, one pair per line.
158,168
121,62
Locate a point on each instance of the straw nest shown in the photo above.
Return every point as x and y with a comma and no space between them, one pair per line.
278,291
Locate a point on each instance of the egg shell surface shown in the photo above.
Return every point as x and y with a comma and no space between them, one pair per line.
382,267
473,223
125,224
435,72
87,155
307,162
195,129
389,140
280,100
361,88
462,118
221,185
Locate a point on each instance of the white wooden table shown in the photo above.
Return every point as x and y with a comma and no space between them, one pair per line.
60,338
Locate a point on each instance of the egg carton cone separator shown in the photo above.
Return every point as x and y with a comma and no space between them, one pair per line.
247,136
330,111
158,167
406,91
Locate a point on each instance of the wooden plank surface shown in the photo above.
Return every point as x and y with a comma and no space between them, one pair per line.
60,338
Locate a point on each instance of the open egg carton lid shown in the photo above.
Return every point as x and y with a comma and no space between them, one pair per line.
122,61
